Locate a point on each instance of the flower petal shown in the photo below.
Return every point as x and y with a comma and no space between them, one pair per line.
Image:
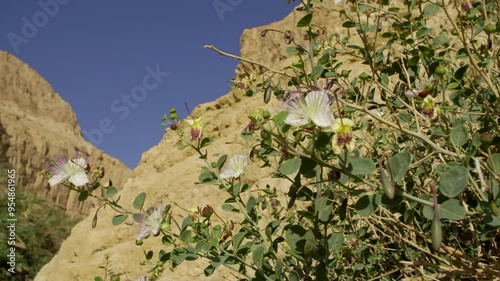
58,178
318,108
234,167
78,179
324,119
297,116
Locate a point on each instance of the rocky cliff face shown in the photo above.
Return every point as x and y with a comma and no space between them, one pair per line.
169,175
36,126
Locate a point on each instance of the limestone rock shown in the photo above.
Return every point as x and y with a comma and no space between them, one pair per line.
36,126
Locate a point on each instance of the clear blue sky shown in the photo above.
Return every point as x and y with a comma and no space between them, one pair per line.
93,52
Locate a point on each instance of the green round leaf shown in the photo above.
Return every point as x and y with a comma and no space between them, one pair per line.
310,246
430,10
399,164
362,166
295,237
366,205
454,181
110,192
139,200
290,166
335,242
305,20
349,24
448,210
119,219
83,196
323,209
459,135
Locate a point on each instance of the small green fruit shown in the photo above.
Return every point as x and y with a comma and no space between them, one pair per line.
363,76
173,110
454,32
345,73
440,70
489,28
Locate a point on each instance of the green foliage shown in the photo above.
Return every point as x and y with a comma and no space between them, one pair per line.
40,230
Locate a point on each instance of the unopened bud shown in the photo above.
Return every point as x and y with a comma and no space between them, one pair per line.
486,137
263,33
94,221
207,211
267,94
173,127
494,208
329,85
386,184
173,111
265,135
173,116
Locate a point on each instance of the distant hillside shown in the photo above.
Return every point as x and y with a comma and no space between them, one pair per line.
36,126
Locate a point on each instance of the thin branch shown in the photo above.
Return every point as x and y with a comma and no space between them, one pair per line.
211,47
409,132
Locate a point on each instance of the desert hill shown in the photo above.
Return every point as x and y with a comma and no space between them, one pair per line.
37,125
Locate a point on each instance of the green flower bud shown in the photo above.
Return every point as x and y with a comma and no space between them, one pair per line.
345,73
173,110
267,94
207,211
494,208
265,135
266,114
173,116
343,210
436,232
387,185
94,221
486,138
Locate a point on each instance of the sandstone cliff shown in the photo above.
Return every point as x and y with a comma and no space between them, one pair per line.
169,175
36,126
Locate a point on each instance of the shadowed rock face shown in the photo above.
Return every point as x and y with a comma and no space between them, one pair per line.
169,175
36,126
